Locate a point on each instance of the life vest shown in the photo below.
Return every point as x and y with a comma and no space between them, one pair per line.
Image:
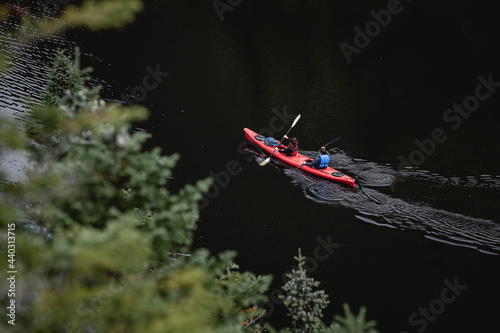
324,161
295,150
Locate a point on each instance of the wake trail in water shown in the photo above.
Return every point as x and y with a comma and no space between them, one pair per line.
374,207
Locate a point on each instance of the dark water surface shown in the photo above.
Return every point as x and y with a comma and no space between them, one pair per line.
404,238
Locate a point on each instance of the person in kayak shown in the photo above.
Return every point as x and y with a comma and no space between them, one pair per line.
292,149
321,161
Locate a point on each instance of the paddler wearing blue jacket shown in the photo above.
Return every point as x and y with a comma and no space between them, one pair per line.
321,161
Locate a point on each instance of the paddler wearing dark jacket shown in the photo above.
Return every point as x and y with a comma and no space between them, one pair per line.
321,161
292,148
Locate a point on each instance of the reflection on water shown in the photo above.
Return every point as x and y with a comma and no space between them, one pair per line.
381,209
23,80
21,84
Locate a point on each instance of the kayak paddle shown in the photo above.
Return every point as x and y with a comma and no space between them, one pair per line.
333,140
269,158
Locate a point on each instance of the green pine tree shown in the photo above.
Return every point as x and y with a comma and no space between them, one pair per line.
104,246
64,93
351,323
65,75
305,305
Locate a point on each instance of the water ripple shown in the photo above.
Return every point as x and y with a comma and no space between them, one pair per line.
374,207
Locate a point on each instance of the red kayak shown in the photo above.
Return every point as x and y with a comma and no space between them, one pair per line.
297,160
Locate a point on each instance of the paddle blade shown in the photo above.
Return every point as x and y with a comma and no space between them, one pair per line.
295,121
333,140
265,161
268,159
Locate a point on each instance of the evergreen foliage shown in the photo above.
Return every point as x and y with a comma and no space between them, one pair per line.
351,323
64,93
64,76
104,246
305,305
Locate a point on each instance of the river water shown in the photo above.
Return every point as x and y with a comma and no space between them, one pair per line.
415,227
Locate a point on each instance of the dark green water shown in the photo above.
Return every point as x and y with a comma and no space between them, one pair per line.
408,230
